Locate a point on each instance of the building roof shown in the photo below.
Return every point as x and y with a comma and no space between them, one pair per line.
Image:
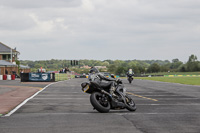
6,63
24,67
5,49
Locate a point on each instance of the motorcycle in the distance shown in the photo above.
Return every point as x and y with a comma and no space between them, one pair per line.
130,79
103,101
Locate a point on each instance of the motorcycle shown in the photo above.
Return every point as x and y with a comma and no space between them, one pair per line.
130,79
103,101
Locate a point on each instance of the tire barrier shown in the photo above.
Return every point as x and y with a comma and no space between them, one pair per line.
4,77
12,77
7,77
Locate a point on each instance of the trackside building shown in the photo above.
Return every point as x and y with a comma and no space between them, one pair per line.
8,58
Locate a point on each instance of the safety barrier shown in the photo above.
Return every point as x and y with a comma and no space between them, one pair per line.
37,77
45,77
7,77
4,77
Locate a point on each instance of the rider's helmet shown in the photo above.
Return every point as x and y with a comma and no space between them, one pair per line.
92,73
112,76
130,71
94,70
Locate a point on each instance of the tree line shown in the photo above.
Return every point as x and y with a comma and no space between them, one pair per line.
120,67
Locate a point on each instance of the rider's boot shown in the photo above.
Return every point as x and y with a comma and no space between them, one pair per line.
112,90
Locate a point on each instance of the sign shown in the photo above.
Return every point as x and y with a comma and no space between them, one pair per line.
39,76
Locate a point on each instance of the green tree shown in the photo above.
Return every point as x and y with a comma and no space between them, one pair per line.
175,64
182,68
192,64
155,67
105,63
18,65
121,71
112,68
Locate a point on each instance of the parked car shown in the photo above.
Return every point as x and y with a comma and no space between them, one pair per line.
80,75
107,74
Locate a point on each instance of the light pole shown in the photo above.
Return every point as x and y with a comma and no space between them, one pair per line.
11,55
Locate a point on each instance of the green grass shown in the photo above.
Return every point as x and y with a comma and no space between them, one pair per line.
181,80
62,76
174,73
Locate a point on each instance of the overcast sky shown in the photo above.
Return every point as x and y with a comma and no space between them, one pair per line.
101,29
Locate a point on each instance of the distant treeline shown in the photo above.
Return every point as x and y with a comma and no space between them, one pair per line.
120,67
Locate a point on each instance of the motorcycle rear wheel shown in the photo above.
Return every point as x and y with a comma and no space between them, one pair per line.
99,102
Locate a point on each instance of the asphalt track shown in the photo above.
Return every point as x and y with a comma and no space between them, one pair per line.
14,92
64,108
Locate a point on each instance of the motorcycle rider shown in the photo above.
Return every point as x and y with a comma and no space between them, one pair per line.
130,73
103,81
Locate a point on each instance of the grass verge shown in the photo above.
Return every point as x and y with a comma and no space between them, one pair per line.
181,80
174,73
63,76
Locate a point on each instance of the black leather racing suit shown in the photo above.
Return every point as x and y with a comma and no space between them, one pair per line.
103,81
130,75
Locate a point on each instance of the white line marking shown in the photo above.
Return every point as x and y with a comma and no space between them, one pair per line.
25,101
115,113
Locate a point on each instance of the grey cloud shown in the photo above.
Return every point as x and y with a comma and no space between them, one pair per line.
40,3
137,29
15,20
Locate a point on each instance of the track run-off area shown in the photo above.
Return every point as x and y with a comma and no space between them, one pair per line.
62,107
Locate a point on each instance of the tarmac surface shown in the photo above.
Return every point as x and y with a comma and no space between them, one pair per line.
63,107
13,92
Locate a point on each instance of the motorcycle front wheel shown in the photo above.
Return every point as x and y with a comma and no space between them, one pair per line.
130,80
100,102
130,104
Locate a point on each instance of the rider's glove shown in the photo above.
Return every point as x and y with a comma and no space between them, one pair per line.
118,80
